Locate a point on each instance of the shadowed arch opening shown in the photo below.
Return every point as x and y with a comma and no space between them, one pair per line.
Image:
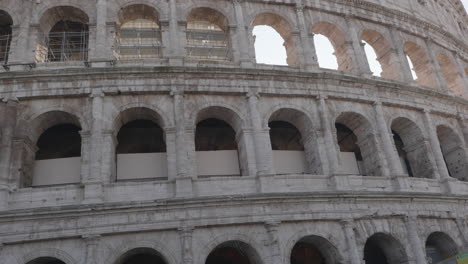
45,260
412,149
141,147
340,47
139,34
385,55
208,36
314,250
219,143
280,26
233,252
64,35
357,145
141,256
384,249
421,63
453,152
451,75
5,36
440,246
293,143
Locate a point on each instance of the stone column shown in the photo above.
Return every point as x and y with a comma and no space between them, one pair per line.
462,123
263,152
22,162
442,84
273,241
171,152
243,42
85,153
414,240
360,59
175,53
101,49
9,110
20,52
435,145
92,249
388,146
353,251
461,71
328,135
186,242
405,69
310,59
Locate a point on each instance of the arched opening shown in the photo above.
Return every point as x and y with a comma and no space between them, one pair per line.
357,145
233,252
288,150
412,150
453,152
384,249
5,36
384,55
141,256
440,246
216,147
451,75
141,151
423,71
46,260
58,156
331,46
208,35
139,34
65,35
314,250
266,26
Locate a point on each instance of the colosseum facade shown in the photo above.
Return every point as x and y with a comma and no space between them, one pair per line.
144,131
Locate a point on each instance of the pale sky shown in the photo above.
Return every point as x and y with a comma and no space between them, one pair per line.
269,49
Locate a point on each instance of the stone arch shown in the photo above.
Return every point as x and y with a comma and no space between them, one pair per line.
381,248
453,152
414,150
39,123
208,36
284,28
140,147
232,139
142,254
422,64
384,50
127,246
307,138
157,114
365,140
48,253
242,252
451,74
440,246
317,249
63,12
338,39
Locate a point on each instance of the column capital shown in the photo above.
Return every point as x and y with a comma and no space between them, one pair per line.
253,94
185,229
97,93
377,103
175,93
91,239
12,100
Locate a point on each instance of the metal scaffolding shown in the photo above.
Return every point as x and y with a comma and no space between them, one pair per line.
206,41
138,40
5,42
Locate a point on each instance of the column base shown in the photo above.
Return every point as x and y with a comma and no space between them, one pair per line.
400,183
4,195
184,187
93,193
340,182
176,61
101,63
449,185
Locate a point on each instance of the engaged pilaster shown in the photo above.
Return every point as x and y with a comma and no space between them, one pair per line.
353,251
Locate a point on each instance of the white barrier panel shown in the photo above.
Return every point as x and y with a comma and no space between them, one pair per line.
289,162
57,171
218,163
141,166
349,164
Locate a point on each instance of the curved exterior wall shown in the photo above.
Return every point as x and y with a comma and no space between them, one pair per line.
183,216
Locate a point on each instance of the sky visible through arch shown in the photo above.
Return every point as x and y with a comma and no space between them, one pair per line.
268,41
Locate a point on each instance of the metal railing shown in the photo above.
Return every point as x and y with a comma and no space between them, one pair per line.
208,45
64,46
138,43
5,42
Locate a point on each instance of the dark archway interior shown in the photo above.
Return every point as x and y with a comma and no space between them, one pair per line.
67,41
60,141
440,246
46,260
5,35
347,140
141,256
400,146
374,254
228,254
140,136
285,136
306,253
214,134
